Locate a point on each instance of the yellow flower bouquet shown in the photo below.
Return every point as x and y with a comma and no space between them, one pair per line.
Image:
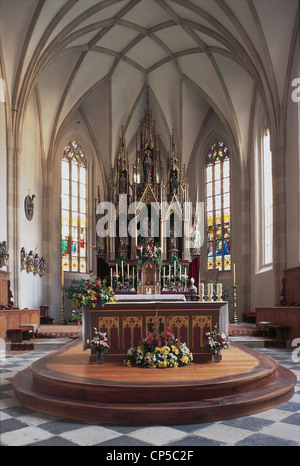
159,349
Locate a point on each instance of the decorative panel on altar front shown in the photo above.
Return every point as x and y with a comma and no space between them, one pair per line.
125,324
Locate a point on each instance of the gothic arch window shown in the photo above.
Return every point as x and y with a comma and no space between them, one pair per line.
264,202
218,215
74,209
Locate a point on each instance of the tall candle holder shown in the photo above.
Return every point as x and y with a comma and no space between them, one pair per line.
210,292
219,291
201,292
234,319
62,320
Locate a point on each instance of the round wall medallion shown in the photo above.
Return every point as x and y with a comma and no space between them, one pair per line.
29,206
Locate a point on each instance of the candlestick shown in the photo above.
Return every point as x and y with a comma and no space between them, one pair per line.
201,291
219,291
234,316
210,291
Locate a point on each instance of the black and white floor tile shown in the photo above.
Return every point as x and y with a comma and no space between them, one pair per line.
23,427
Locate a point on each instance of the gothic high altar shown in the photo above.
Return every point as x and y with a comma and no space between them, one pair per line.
155,232
148,266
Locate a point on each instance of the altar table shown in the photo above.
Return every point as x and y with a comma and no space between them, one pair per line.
125,324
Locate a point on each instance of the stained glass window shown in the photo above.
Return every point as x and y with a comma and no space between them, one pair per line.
74,209
218,218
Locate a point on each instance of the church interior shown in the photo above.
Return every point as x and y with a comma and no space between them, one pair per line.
151,148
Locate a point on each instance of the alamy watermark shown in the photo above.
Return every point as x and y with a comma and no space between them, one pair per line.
296,92
2,90
152,220
296,351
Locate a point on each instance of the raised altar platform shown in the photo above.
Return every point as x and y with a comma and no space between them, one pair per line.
66,384
126,322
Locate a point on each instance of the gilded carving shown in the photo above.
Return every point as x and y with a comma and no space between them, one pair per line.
132,323
109,323
201,322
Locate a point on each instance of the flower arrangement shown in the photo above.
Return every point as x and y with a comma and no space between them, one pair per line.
217,340
76,315
159,349
89,292
99,343
148,251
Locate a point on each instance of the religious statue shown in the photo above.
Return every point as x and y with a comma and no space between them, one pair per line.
30,261
193,290
122,183
173,181
148,164
42,266
195,240
23,259
36,262
4,255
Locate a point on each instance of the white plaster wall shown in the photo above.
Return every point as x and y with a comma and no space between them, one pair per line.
31,182
292,176
262,283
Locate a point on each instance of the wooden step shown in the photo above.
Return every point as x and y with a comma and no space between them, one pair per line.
245,382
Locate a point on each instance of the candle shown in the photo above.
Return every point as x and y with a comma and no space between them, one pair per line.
128,271
180,271
170,272
210,291
62,274
201,291
117,272
219,291
122,268
234,277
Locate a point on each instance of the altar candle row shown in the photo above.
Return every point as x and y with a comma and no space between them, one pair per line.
184,275
122,272
210,292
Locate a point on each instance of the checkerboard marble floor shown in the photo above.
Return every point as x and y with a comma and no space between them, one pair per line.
23,427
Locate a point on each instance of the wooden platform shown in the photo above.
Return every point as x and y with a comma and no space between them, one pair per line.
66,384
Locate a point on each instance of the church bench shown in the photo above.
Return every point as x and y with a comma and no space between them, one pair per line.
287,316
281,331
249,316
17,335
34,328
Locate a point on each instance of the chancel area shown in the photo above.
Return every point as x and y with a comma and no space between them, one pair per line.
150,182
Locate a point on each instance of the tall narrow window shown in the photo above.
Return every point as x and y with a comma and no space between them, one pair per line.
218,208
263,201
74,209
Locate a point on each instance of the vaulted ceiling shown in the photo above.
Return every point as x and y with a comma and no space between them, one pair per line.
91,60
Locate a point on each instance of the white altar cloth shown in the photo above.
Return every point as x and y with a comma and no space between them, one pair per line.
150,297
